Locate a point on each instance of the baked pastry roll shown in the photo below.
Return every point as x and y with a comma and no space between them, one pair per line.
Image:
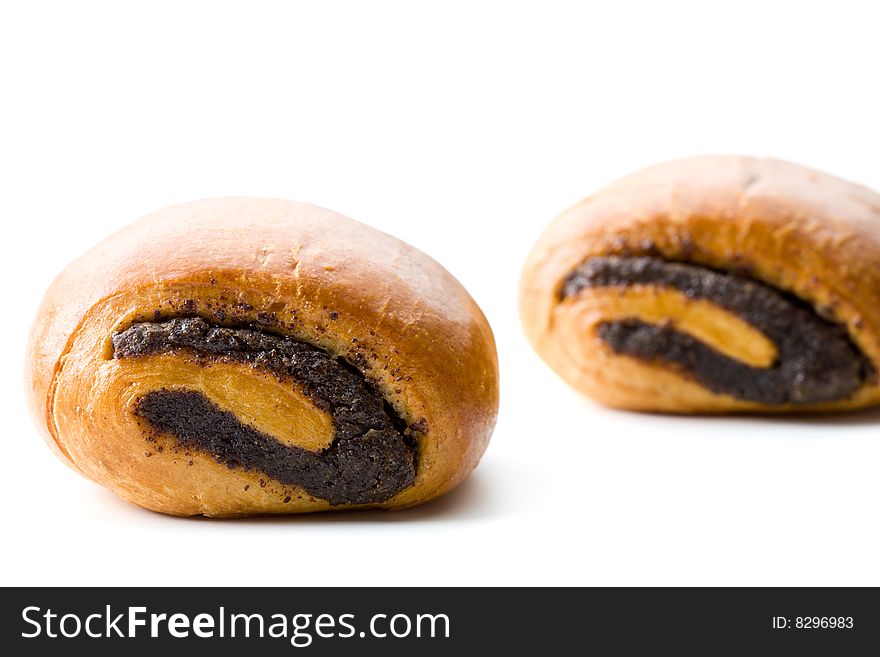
713,284
243,356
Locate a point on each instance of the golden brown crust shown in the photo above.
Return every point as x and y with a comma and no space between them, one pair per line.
334,282
796,229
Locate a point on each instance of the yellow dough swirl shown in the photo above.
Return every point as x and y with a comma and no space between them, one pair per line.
242,356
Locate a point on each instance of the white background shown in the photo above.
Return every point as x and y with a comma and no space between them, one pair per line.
462,128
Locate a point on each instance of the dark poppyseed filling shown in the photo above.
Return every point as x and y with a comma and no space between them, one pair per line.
816,362
370,458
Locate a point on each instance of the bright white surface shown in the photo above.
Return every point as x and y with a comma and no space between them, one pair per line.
462,128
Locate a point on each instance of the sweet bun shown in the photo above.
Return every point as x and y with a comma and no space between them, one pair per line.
713,284
247,356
